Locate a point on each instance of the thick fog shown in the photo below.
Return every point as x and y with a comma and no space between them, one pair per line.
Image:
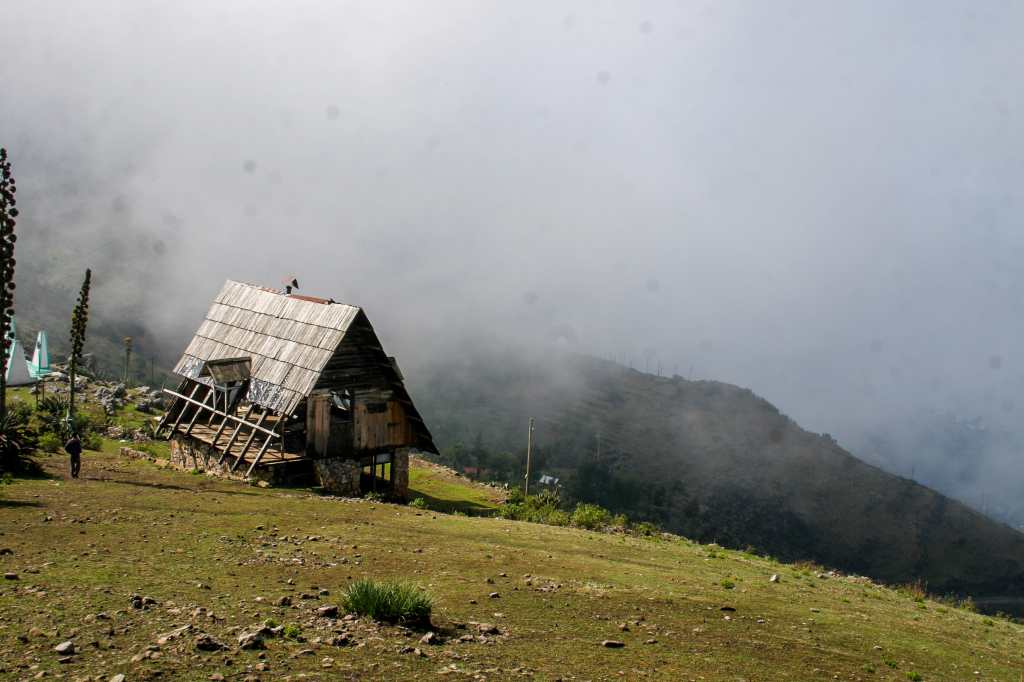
819,201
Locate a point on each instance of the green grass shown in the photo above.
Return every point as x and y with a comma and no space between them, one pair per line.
81,548
441,490
388,601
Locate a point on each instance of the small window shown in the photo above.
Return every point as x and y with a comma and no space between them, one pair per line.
342,400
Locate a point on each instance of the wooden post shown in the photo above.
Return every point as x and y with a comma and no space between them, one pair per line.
199,409
248,442
529,454
238,427
184,406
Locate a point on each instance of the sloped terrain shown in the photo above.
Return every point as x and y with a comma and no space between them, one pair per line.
715,462
145,569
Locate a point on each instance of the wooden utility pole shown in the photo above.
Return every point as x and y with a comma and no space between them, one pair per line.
529,454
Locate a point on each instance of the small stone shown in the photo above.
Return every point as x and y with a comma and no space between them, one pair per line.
651,641
251,640
204,642
10,576
216,677
328,611
429,638
774,578
284,601
624,627
612,644
340,640
488,629
65,648
494,595
117,678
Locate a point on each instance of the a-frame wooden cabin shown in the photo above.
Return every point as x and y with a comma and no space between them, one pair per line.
281,386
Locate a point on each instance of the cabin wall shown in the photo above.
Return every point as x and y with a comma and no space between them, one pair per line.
380,425
360,366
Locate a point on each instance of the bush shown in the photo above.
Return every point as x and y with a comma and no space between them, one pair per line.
645,529
292,631
542,508
590,516
418,503
16,440
52,414
390,602
91,441
50,442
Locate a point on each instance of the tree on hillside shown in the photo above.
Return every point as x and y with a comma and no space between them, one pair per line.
79,320
8,213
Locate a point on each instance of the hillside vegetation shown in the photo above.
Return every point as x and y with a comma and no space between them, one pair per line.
715,462
148,571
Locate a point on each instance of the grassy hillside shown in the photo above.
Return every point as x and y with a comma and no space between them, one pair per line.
215,557
716,462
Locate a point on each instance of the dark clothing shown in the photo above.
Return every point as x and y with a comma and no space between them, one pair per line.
74,448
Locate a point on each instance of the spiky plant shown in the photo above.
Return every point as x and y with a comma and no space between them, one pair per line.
8,213
79,321
127,357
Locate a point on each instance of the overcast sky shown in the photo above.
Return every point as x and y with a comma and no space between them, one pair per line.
820,201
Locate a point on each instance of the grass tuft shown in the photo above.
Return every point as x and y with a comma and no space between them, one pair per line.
390,602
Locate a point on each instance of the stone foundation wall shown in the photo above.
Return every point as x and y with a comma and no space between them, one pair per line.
189,454
338,476
401,464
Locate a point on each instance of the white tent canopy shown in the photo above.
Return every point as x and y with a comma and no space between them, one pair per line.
16,370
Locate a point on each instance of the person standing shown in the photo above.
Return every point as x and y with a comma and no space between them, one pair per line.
74,448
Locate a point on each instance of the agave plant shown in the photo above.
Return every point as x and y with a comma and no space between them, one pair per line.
16,439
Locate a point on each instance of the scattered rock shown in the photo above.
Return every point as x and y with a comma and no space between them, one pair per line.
251,640
612,644
65,648
284,601
328,611
624,627
488,629
117,678
205,642
10,576
651,641
494,595
774,578
430,638
341,640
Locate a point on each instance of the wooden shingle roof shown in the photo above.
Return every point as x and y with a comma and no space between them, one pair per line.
290,339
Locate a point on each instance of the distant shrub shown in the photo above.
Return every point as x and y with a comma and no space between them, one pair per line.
915,590
914,676
418,503
558,517
92,441
50,442
541,508
645,529
391,602
590,516
728,584
292,631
